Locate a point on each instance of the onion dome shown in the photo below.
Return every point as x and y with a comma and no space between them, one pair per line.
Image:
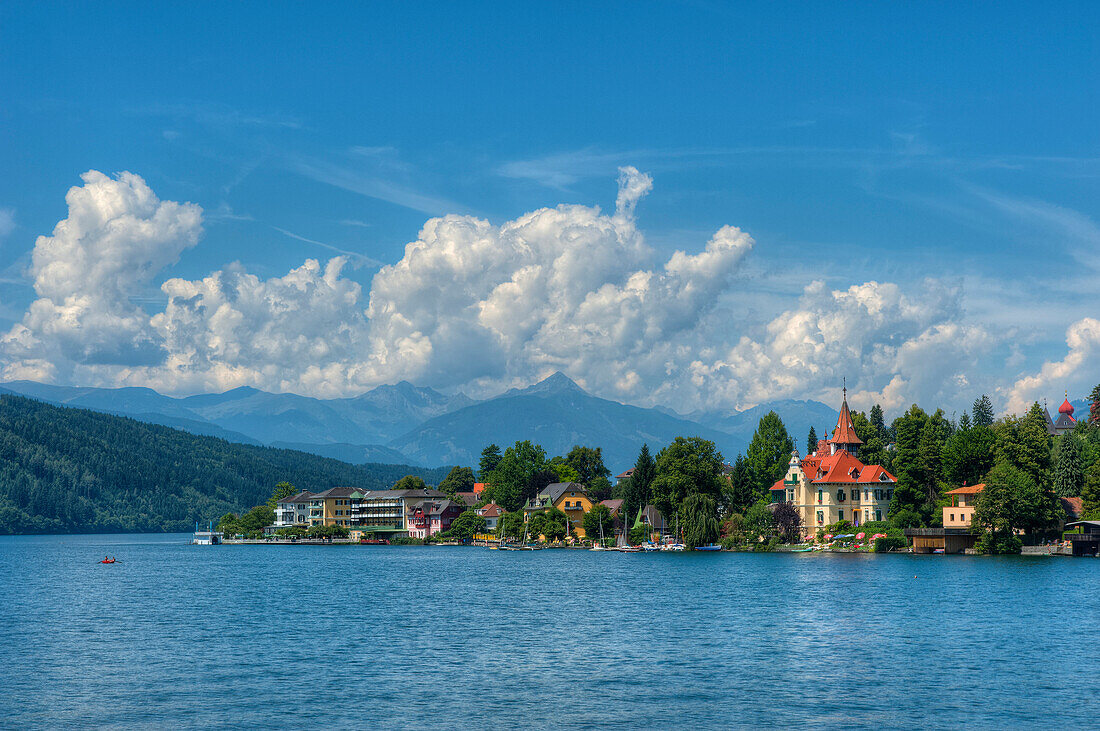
1066,408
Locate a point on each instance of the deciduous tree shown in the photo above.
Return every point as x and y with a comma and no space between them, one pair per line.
598,519
688,466
700,521
410,482
282,490
788,521
459,479
466,526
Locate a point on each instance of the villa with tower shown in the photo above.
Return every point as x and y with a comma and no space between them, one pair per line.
1065,422
831,484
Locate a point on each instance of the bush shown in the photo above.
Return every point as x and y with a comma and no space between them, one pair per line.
998,544
895,539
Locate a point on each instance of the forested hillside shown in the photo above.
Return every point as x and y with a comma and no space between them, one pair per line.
68,470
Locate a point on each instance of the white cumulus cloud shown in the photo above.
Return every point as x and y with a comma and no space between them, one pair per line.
471,304
1071,373
117,237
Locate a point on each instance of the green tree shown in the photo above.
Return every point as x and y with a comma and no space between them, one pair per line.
597,519
599,489
563,471
982,411
459,479
769,452
1094,407
741,492
523,470
1069,473
1010,500
552,524
638,490
1025,443
909,493
933,437
700,520
1090,493
228,524
759,522
410,482
878,421
968,454
490,458
811,442
588,463
282,490
511,525
466,526
688,466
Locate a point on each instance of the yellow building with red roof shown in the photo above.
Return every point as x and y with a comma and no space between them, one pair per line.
832,484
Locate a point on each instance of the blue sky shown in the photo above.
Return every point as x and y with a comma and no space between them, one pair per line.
876,142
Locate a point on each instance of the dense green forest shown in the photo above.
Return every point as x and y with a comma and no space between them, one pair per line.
68,470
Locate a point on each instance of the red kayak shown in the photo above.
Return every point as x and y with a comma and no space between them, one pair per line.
107,560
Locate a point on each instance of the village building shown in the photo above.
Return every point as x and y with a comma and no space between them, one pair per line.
293,510
569,497
430,517
832,484
491,513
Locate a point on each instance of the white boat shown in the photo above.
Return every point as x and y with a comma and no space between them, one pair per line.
208,537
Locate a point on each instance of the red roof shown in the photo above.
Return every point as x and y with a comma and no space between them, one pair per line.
1073,506
845,432
492,510
1066,408
479,487
779,485
623,476
844,468
967,489
612,505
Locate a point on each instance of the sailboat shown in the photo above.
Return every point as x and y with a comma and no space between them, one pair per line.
600,546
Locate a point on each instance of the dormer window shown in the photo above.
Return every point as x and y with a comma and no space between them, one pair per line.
854,472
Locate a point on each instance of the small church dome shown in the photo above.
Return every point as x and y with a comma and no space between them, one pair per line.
1066,408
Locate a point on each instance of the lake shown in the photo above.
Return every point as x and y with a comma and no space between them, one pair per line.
443,637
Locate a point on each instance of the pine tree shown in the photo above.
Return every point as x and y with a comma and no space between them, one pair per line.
1068,470
1090,493
638,492
1094,407
878,421
742,492
983,411
811,442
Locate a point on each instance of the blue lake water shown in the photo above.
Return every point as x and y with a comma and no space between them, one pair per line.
434,637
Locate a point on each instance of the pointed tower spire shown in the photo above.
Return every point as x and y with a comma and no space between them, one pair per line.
844,436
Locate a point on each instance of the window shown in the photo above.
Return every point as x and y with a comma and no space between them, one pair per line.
878,494
819,498
820,517
952,517
841,514
840,496
878,515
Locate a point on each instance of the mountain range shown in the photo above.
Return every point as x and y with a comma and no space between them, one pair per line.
403,423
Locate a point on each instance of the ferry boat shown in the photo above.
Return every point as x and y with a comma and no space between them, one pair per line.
208,537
